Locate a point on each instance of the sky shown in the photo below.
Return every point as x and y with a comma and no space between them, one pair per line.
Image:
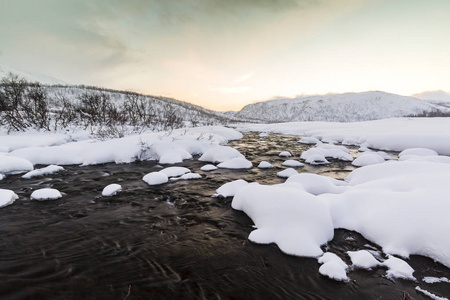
225,54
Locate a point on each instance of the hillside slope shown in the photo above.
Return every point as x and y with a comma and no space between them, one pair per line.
348,107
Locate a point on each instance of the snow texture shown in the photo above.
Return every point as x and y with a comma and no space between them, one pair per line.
220,154
431,295
229,189
363,259
111,190
398,268
236,163
45,194
7,197
175,171
368,158
265,165
287,173
52,169
14,165
285,154
155,178
333,267
187,176
436,279
207,168
292,163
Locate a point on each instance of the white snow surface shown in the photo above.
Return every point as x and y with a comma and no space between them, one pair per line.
111,190
429,294
429,279
401,206
220,154
165,147
309,140
229,189
52,169
395,134
292,163
207,168
398,268
174,171
418,152
287,173
13,165
155,178
363,259
265,165
333,267
7,197
318,154
295,220
368,158
45,194
236,163
285,154
187,176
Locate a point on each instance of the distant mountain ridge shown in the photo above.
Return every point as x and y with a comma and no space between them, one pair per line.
347,107
31,77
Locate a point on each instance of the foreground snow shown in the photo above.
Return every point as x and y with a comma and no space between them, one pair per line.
400,205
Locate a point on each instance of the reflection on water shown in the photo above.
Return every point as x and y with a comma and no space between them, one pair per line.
170,241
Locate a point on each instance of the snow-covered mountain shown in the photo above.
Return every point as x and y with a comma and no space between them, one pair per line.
348,107
31,77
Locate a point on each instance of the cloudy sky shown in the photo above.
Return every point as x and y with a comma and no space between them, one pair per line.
224,54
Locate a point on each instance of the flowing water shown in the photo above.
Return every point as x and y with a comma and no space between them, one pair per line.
171,241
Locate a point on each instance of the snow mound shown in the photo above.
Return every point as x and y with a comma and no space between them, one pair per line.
229,189
155,178
111,189
169,153
363,259
309,140
333,267
265,165
236,163
52,169
14,165
292,163
398,268
220,154
207,168
175,171
316,184
287,173
7,197
321,152
435,279
285,154
368,158
2,176
316,159
45,194
418,152
296,221
187,176
263,134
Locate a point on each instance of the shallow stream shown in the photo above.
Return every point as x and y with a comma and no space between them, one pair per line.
171,241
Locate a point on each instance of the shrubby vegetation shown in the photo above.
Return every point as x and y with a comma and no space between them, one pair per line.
104,112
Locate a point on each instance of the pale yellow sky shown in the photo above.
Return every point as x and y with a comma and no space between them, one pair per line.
225,54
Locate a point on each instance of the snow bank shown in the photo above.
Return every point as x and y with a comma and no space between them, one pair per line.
17,140
395,134
162,146
401,206
44,171
111,190
296,221
14,165
7,197
45,194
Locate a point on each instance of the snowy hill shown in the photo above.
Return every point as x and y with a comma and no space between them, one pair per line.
31,77
348,107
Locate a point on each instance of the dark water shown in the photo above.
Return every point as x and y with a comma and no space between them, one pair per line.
172,241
